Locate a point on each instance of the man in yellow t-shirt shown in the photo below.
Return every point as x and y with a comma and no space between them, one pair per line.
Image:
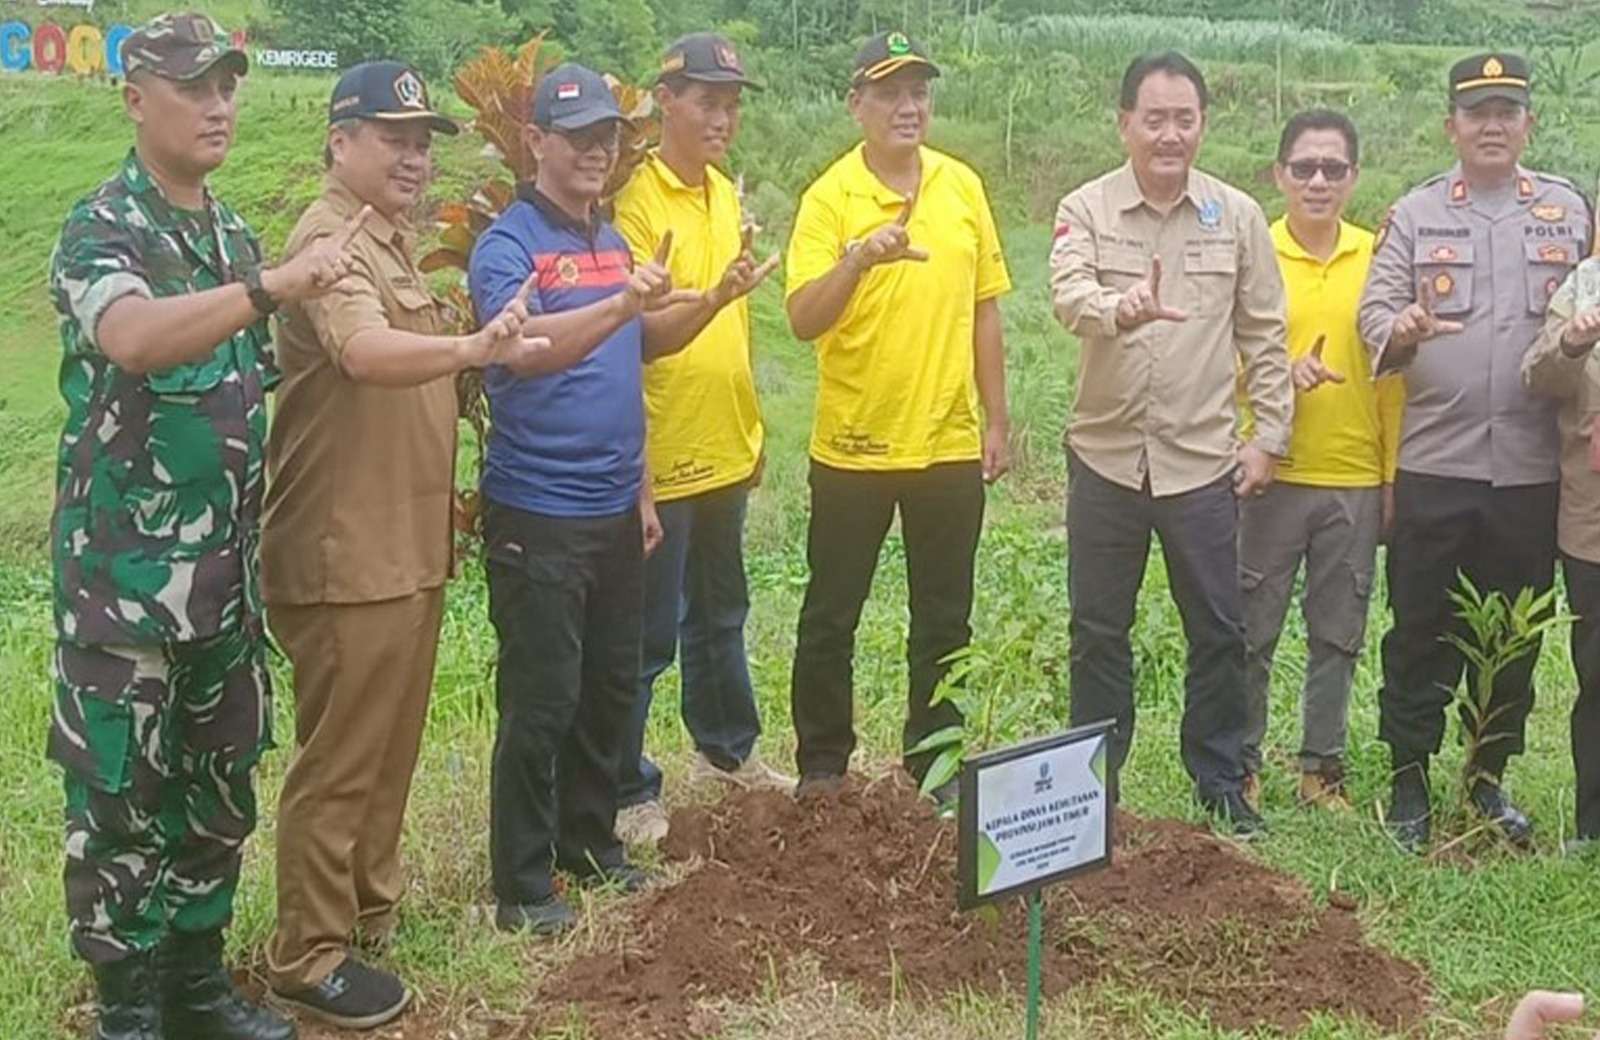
894,271
1333,494
704,433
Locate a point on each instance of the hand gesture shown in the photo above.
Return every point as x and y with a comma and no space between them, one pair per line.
650,285
1310,372
1417,321
743,274
1582,332
650,524
1141,304
316,268
1541,1009
996,452
502,341
1254,473
890,243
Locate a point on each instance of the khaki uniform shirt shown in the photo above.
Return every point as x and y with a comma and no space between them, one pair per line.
1575,384
359,506
1467,412
1156,403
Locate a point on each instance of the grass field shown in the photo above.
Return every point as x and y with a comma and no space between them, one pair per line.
1485,927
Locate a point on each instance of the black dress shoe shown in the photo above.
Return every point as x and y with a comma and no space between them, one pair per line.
813,784
1490,800
549,916
1410,817
625,876
1235,815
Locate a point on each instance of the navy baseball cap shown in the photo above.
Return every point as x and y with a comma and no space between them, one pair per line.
706,58
571,97
388,91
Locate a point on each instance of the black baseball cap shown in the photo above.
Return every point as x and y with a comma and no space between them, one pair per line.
706,58
887,53
181,47
571,97
1482,77
385,90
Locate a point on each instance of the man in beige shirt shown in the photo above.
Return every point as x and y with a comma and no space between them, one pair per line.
356,546
1561,364
1169,279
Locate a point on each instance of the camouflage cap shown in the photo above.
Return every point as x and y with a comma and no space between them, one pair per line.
180,46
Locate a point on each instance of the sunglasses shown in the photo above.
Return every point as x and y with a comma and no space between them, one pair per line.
607,136
1332,170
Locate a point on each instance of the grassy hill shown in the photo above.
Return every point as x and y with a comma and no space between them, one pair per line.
1485,926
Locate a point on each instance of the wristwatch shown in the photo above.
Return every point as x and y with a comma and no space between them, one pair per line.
260,299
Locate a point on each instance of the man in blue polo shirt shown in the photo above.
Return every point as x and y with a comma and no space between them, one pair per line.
562,481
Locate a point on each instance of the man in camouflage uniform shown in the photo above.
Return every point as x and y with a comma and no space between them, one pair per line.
163,698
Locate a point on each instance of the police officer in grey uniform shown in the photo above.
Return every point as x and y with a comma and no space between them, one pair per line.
1459,284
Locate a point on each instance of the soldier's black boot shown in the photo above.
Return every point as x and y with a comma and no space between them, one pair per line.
198,998
128,1006
1410,816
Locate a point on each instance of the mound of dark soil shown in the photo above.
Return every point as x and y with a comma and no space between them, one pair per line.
863,881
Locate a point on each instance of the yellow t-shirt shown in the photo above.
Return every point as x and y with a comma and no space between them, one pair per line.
1344,434
702,420
895,387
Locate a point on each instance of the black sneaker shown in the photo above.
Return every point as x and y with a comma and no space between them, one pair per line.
1410,817
1235,814
550,916
818,784
1490,800
353,996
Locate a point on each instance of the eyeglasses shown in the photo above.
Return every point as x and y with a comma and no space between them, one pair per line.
1332,170
607,136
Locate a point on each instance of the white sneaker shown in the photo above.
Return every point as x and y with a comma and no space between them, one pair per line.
642,824
752,775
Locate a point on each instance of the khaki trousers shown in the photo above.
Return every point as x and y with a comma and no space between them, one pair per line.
362,675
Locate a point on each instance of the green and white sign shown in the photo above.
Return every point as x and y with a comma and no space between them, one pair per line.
1033,814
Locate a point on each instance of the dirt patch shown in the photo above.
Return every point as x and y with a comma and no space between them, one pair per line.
862,881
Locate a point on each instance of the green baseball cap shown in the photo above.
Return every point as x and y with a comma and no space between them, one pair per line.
180,46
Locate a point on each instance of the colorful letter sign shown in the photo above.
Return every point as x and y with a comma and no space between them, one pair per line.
82,50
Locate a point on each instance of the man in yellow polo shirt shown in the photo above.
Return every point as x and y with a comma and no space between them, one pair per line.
1333,494
894,270
703,433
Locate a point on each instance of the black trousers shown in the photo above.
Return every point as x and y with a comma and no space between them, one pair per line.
1108,544
1503,539
566,598
1583,595
941,513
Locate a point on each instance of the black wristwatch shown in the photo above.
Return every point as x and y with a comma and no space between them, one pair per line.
260,299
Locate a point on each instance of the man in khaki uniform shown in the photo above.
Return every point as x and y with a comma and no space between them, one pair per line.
357,542
1151,445
1562,365
1460,280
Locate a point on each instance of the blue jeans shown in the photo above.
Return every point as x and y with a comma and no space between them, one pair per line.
695,594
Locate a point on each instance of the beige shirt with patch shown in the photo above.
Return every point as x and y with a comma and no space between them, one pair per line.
1157,403
361,477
